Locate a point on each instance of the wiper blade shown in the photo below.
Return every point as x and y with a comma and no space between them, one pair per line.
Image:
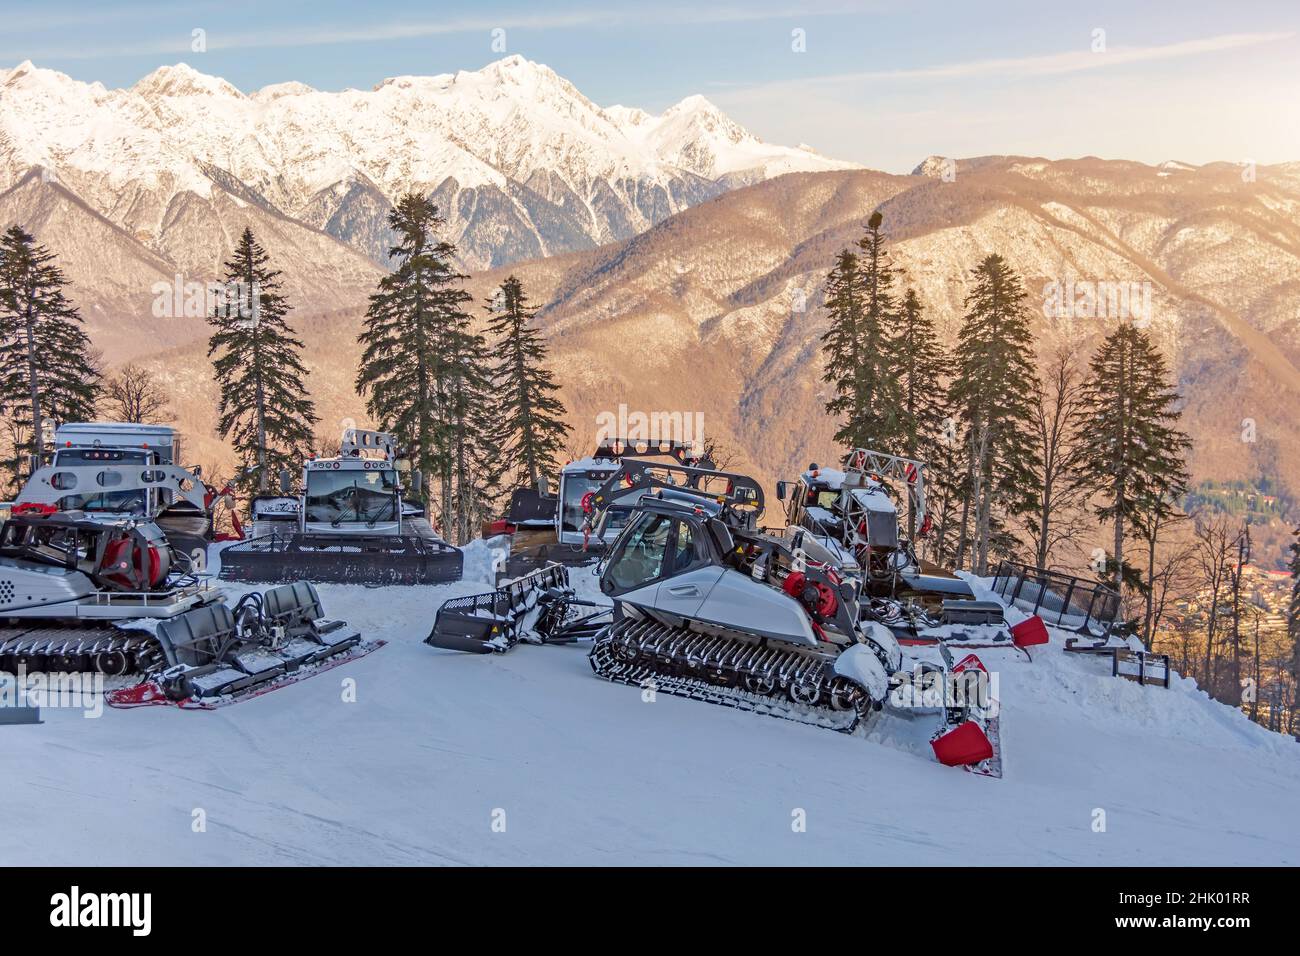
342,514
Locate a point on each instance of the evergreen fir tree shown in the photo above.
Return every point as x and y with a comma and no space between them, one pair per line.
530,418
945,491
265,411
921,364
466,432
992,397
47,370
840,345
1135,452
421,368
859,364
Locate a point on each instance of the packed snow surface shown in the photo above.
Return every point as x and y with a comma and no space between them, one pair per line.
440,746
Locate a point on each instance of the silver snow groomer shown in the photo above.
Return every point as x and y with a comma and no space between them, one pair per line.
69,584
707,605
92,596
548,529
350,525
710,607
121,471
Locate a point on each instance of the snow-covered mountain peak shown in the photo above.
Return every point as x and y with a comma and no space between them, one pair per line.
276,90
699,107
695,121
33,80
936,167
517,69
521,80
27,66
181,79
522,162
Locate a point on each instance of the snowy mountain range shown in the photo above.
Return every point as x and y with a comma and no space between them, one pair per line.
522,164
599,212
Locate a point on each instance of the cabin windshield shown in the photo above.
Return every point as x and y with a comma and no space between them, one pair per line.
134,502
571,514
347,496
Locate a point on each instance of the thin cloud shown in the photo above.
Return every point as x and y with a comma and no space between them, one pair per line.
287,37
1051,64
1074,61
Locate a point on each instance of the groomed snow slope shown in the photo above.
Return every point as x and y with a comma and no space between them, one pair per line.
412,772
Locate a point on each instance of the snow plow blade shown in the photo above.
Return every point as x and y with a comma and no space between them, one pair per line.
539,606
375,560
217,654
971,737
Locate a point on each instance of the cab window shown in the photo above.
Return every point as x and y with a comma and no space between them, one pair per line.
641,558
684,550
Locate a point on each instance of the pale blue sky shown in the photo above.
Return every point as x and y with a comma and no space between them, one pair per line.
882,83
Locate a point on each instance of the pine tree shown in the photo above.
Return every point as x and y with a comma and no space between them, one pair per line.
992,397
421,366
859,297
921,364
265,410
530,418
1135,452
47,370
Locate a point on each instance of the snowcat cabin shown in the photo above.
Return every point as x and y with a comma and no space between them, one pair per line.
90,445
103,498
668,541
814,503
352,494
578,480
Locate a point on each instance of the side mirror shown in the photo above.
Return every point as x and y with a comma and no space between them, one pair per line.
782,489
543,487
286,482
417,482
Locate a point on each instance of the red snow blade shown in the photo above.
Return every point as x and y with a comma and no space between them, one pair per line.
147,694
979,748
1029,632
963,745
151,694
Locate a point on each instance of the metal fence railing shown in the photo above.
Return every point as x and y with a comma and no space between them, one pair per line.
1088,607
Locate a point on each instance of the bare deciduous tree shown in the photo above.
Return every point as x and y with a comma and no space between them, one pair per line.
1171,575
1059,513
1216,550
132,394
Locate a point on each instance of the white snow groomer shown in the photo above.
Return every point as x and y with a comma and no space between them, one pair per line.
708,606
350,525
853,512
114,471
546,528
82,595
540,606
